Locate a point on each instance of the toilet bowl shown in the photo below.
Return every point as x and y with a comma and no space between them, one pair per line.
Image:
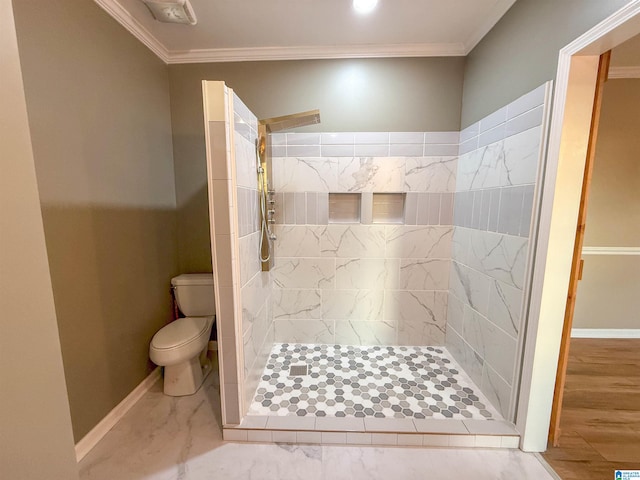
180,347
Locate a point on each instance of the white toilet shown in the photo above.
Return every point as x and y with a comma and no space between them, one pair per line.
180,347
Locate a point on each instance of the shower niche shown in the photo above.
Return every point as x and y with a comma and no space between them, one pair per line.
344,207
387,208
367,208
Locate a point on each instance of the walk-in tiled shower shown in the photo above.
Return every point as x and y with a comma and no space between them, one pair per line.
399,268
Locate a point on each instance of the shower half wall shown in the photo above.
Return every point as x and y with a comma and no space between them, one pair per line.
243,291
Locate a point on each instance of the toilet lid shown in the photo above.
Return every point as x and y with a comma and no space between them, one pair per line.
180,332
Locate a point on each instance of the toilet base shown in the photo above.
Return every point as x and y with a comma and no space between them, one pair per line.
186,378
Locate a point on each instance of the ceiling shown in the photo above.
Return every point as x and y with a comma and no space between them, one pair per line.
235,30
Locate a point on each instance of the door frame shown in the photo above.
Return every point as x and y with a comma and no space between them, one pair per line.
577,262
562,187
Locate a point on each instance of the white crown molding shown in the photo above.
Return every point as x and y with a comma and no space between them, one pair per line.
624,72
498,11
316,52
624,22
611,250
124,18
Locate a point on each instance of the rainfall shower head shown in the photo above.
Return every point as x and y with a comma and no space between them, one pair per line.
287,122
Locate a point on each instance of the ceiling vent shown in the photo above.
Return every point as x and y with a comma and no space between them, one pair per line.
172,11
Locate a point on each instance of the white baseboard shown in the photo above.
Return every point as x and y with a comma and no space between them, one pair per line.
605,333
90,440
611,250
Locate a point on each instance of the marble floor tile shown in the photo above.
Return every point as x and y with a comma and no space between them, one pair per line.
411,463
168,438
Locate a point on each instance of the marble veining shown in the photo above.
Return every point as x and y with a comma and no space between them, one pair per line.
504,307
522,154
455,312
303,272
295,303
367,273
421,316
493,344
467,357
509,162
353,332
165,438
358,241
419,241
430,174
480,168
470,286
255,294
300,174
460,244
500,256
297,240
352,304
371,174
304,331
424,274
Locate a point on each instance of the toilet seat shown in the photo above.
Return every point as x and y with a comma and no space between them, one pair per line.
179,332
180,340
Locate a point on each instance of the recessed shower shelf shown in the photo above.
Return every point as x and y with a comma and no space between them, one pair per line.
388,208
344,207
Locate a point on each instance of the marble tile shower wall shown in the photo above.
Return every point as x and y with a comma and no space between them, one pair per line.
257,321
495,182
363,283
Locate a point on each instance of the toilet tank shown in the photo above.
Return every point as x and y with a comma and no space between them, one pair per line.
194,294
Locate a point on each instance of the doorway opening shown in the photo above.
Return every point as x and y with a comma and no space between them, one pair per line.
568,146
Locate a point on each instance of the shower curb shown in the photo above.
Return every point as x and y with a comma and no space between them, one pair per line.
379,432
379,439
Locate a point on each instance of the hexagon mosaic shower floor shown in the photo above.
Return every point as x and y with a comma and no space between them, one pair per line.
348,381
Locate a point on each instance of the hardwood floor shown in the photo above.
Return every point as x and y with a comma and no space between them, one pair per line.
600,423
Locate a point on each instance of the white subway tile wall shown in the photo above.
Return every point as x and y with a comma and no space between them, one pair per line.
497,171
